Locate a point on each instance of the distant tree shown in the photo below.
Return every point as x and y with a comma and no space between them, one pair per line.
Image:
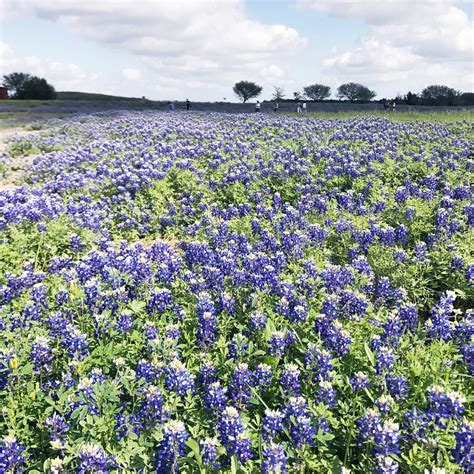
25,86
245,90
466,98
297,95
353,91
15,82
317,92
278,93
411,99
439,95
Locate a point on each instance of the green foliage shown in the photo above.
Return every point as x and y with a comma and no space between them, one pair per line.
354,91
246,90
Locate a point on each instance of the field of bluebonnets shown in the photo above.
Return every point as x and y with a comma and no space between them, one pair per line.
238,293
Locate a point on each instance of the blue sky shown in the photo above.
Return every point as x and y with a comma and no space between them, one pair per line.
166,49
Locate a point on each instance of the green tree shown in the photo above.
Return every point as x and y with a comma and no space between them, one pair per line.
245,90
25,86
411,99
317,91
353,91
439,95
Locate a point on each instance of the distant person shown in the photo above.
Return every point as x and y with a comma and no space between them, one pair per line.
392,105
304,107
275,106
257,106
171,106
188,104
298,108
386,105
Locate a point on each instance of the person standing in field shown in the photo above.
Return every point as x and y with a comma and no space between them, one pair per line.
257,106
275,106
304,107
188,104
298,107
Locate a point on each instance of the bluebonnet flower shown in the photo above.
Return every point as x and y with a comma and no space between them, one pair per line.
208,448
408,315
41,355
289,379
207,328
262,376
470,274
386,438
439,324
75,243
385,359
420,252
11,456
7,358
233,436
392,329
443,405
178,378
92,458
462,454
272,423
384,403
215,397
277,344
367,425
120,427
274,459
256,322
337,339
239,389
298,419
171,447
319,361
57,426
397,385
207,373
386,465
75,342
152,410
468,356
160,299
237,346
457,262
359,381
147,371
125,322
326,393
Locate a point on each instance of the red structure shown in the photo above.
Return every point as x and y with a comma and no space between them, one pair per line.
3,93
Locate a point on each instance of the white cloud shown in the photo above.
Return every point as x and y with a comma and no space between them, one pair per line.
187,40
131,74
63,76
409,44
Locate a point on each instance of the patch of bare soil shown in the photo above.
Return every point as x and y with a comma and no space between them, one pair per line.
16,165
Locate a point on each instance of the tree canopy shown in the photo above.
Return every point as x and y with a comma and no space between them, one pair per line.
317,91
245,90
439,95
354,91
24,86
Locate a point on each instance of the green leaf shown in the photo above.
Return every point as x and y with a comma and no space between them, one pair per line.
370,354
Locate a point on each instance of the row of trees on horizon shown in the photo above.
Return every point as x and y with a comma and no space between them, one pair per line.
355,92
25,86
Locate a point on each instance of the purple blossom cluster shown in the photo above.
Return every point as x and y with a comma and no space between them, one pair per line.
217,292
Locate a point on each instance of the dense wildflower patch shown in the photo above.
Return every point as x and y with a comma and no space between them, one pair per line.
225,293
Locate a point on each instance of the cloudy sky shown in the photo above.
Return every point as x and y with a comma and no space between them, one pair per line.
173,49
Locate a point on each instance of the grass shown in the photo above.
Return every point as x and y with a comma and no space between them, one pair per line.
399,116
